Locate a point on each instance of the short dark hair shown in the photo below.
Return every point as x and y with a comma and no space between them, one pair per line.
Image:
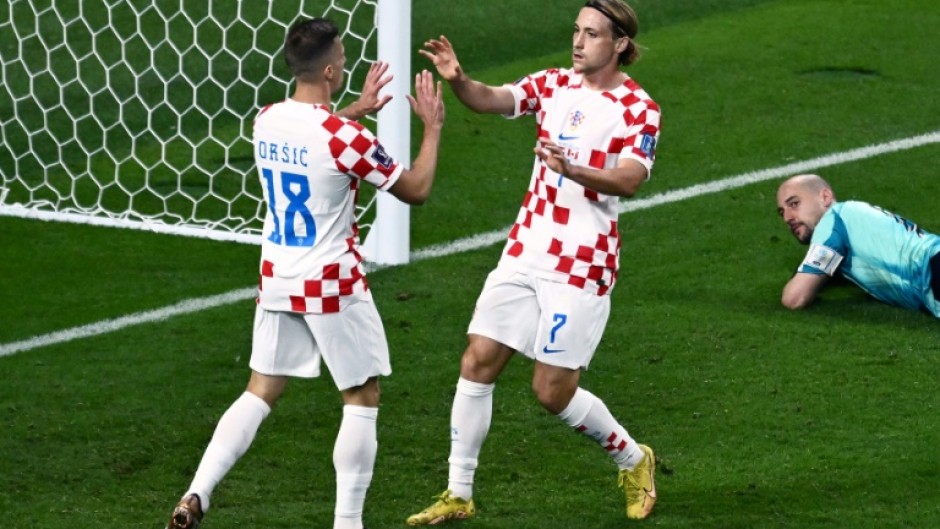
308,42
624,23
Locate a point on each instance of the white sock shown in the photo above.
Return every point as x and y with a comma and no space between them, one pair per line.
588,414
354,458
469,423
233,435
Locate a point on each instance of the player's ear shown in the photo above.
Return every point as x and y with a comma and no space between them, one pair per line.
828,196
622,44
328,72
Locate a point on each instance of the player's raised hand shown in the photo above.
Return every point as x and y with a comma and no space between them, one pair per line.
375,80
414,184
428,101
441,53
370,101
553,156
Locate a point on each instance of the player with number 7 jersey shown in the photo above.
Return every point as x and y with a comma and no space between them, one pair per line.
548,298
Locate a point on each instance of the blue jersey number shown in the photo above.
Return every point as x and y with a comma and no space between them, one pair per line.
559,319
296,189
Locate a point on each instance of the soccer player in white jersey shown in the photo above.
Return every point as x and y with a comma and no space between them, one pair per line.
314,302
888,256
548,297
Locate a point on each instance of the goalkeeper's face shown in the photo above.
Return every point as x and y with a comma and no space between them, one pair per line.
802,205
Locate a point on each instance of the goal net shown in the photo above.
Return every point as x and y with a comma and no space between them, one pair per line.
137,113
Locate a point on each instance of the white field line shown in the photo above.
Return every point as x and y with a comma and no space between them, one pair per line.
483,240
187,306
480,240
92,218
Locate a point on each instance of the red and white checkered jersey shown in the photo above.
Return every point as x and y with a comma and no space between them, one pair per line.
310,163
564,231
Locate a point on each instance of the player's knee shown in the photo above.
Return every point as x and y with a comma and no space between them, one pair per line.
474,366
266,387
483,360
367,394
552,397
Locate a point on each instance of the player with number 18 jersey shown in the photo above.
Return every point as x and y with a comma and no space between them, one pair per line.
311,163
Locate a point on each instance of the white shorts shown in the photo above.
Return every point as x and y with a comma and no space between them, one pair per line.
554,323
351,342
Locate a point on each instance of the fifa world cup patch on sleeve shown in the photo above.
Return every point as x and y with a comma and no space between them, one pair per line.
821,258
648,145
381,157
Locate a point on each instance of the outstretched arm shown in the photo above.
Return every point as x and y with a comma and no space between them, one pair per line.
414,185
802,289
477,96
369,101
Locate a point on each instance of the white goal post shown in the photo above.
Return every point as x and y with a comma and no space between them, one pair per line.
137,113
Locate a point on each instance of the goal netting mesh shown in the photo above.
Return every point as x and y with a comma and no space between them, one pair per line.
137,113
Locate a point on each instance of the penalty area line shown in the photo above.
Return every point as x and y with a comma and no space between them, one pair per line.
773,173
481,240
187,306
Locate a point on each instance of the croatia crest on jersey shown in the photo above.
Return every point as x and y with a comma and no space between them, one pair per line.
575,119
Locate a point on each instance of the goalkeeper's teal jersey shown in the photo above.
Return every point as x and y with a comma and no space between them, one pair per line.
886,255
